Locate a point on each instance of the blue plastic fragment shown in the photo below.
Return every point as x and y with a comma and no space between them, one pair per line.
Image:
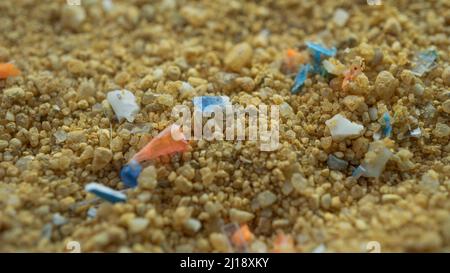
207,103
300,79
106,193
319,50
130,173
358,172
387,130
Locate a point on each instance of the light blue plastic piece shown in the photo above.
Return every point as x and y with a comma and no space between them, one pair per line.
387,130
300,79
318,50
106,193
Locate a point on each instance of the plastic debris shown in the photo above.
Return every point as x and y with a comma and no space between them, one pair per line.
334,66
430,181
318,50
169,141
186,90
60,136
107,5
92,212
59,220
387,128
358,172
300,79
124,104
141,128
207,103
376,158
130,173
242,236
416,132
356,68
230,230
283,244
340,17
425,61
8,70
106,193
320,249
340,127
47,231
337,164
292,60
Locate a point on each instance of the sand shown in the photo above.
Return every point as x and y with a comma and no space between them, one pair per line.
58,132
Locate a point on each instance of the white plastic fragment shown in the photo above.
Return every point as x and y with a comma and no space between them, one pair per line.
376,158
416,132
340,127
358,172
430,181
106,193
59,220
124,104
333,66
320,249
47,231
92,212
60,136
340,17
107,5
186,90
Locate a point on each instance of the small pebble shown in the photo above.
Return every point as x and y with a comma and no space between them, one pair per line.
240,216
147,178
385,84
102,157
137,225
238,57
266,199
335,163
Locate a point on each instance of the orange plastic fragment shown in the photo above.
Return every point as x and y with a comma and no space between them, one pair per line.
8,70
283,244
242,236
292,60
350,74
169,141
